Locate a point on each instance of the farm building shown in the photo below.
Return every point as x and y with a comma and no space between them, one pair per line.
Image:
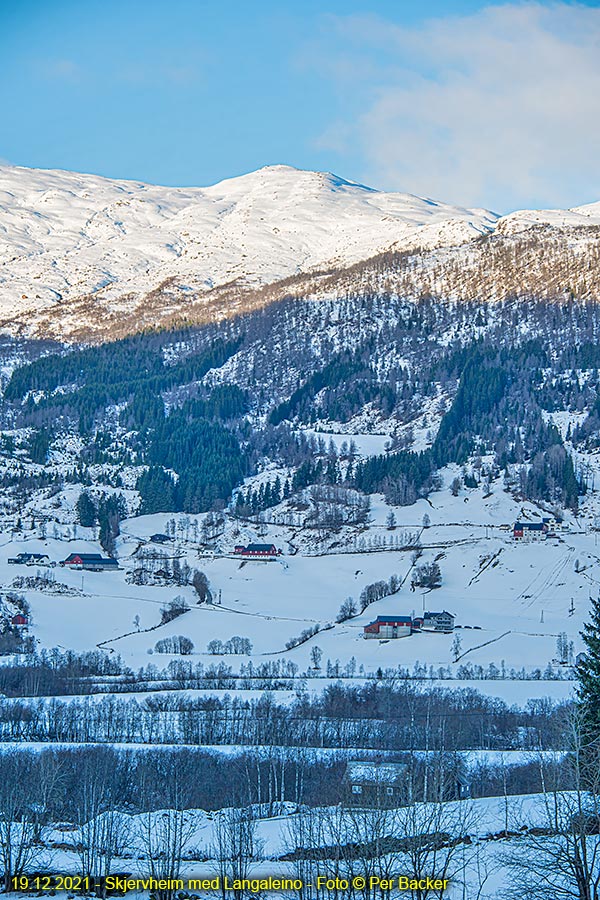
261,551
385,627
160,538
442,776
377,784
389,627
29,559
19,619
553,525
435,621
533,530
92,561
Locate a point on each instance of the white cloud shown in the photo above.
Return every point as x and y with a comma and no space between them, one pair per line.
499,108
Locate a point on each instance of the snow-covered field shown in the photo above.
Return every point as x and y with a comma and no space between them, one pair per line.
511,599
492,831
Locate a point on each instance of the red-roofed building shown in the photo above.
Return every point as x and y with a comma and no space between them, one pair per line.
386,627
259,551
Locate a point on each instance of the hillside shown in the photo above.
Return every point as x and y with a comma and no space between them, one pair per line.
356,436
87,258
359,407
511,600
72,245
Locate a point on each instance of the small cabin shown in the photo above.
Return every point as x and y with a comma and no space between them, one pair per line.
19,620
160,538
371,784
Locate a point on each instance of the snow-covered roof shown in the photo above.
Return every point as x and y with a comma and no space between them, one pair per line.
444,612
375,773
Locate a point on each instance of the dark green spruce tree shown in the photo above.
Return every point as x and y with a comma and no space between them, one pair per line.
588,674
87,513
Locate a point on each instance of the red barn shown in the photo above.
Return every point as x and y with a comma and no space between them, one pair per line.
92,561
18,620
260,551
531,529
387,627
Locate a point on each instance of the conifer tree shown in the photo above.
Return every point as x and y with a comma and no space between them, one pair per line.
86,510
588,672
39,446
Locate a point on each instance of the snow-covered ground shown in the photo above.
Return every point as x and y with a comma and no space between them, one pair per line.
491,831
65,236
511,599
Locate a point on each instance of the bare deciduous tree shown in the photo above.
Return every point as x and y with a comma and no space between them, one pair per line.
236,846
559,859
103,827
20,815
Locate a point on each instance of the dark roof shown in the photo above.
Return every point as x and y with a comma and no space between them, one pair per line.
86,557
444,612
93,559
160,538
530,526
264,548
393,619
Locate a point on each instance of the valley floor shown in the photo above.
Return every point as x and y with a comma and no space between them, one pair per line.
514,602
512,599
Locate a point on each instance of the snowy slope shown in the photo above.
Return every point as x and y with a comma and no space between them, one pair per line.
578,216
64,236
511,599
88,257
480,863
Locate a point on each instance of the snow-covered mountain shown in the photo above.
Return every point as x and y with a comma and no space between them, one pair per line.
577,217
84,256
66,236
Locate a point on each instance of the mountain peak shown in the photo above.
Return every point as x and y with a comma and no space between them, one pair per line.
67,237
71,243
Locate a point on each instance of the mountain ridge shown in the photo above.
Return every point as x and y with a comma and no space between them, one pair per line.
86,257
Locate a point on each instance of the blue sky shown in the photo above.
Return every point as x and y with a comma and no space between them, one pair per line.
478,104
